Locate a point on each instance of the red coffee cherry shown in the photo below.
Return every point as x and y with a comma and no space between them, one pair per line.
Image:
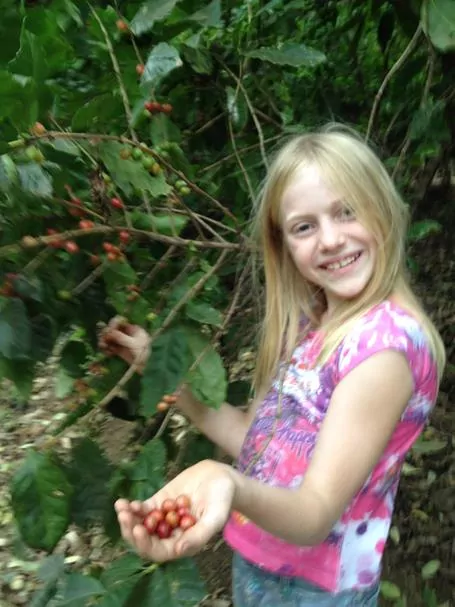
163,530
168,506
183,501
187,521
172,519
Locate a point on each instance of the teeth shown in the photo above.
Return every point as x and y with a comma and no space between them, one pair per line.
342,264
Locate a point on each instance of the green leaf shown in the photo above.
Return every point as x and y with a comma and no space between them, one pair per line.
237,108
428,122
162,60
208,381
162,130
43,596
118,275
15,330
34,180
51,568
119,580
30,60
44,334
390,590
64,383
177,584
422,229
81,587
73,358
41,495
149,472
89,473
423,446
96,112
210,16
438,22
430,569
196,55
149,13
164,223
130,175
196,449
202,312
21,373
289,53
165,369
28,287
8,172
18,100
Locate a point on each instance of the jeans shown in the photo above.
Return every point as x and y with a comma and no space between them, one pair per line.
254,587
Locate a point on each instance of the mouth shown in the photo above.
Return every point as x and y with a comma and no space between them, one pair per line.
342,263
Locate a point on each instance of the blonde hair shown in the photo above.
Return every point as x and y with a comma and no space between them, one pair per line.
354,171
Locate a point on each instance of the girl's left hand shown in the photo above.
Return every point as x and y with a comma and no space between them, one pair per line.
209,485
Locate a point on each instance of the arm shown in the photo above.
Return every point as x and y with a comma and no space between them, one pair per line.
363,412
226,426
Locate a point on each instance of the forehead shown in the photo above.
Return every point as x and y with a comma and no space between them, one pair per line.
308,190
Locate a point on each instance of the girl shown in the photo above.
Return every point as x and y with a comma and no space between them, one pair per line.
347,374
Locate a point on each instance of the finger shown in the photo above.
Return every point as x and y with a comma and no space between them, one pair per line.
122,505
152,547
118,338
195,538
127,522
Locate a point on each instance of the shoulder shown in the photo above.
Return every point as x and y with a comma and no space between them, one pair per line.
386,326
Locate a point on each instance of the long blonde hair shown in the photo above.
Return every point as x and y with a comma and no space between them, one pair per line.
354,171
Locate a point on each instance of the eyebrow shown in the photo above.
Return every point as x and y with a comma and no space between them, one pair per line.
335,203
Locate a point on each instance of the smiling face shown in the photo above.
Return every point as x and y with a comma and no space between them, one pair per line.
329,246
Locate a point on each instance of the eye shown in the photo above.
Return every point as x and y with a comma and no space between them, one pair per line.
302,228
346,213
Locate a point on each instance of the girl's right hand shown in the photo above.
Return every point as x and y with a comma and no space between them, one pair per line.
129,342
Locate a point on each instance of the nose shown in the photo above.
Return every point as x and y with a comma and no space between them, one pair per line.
331,235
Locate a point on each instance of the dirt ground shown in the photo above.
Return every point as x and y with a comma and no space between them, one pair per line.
424,520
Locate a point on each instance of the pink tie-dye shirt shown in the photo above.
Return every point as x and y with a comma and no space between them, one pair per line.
350,557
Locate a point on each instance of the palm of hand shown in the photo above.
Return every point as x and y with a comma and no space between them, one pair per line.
210,487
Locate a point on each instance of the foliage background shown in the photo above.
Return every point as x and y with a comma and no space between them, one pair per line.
75,134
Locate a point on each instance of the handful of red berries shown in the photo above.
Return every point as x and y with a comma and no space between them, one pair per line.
172,514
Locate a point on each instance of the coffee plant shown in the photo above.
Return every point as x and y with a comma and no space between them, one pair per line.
133,138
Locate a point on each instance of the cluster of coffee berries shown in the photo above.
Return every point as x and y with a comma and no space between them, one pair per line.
60,243
113,253
154,107
7,288
173,514
166,402
182,187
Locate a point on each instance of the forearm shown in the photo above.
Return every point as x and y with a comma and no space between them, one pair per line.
226,426
297,516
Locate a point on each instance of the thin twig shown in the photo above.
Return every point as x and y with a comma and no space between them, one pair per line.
239,160
115,65
253,113
89,279
170,240
208,124
244,150
393,70
158,267
426,91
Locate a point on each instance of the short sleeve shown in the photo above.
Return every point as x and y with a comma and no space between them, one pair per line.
381,329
